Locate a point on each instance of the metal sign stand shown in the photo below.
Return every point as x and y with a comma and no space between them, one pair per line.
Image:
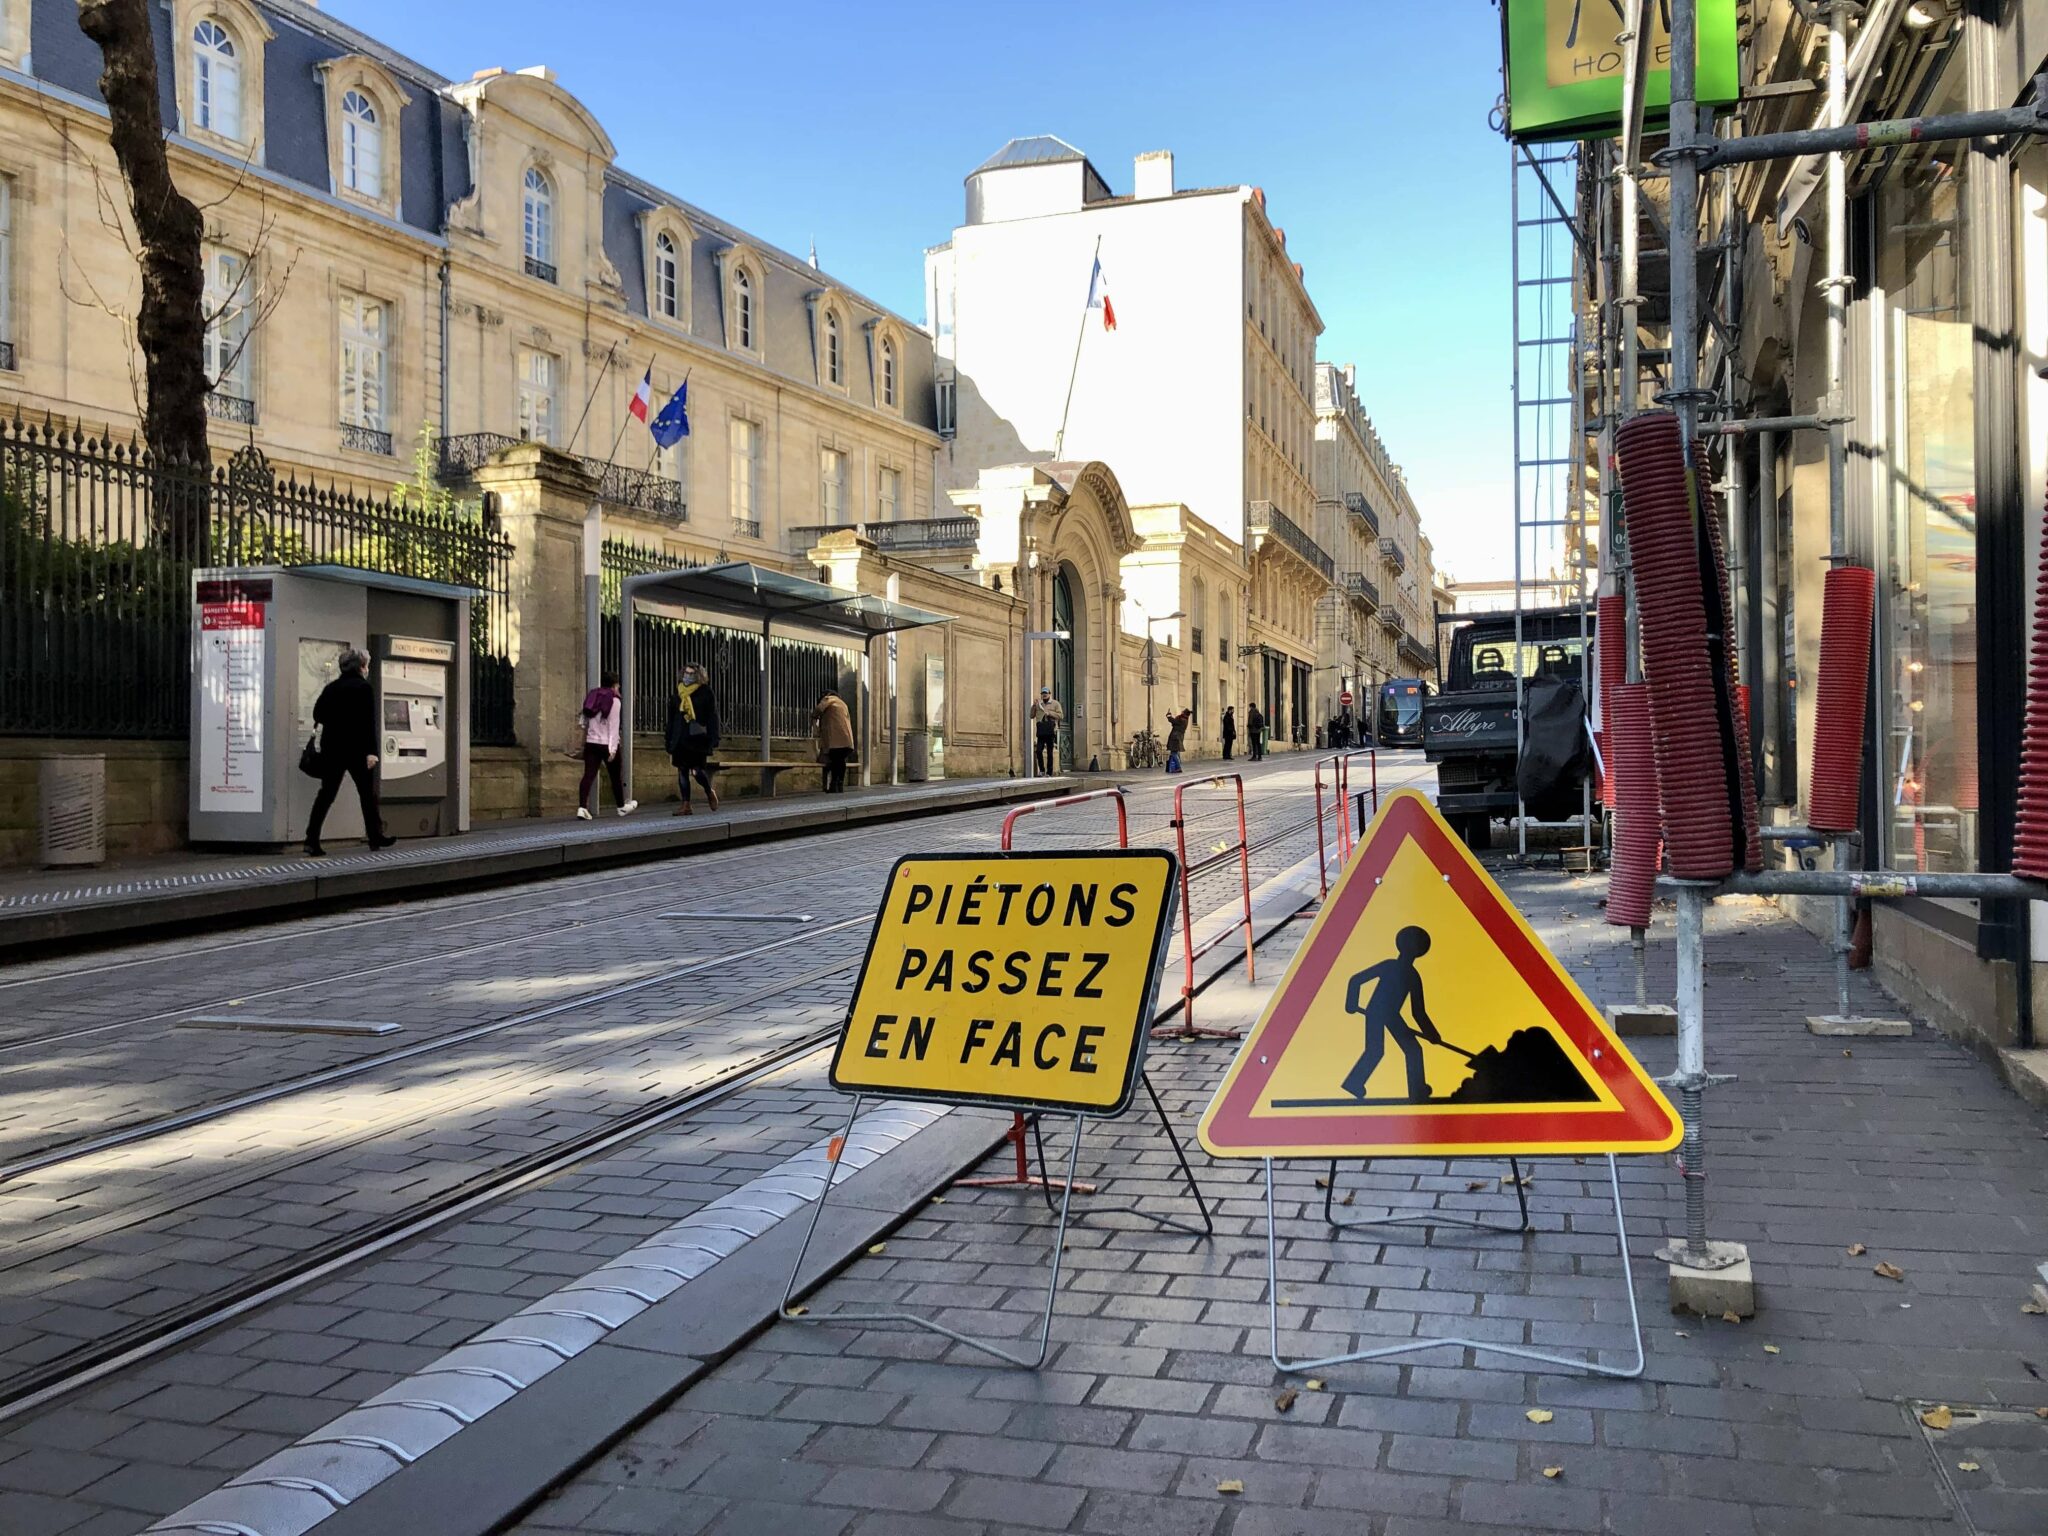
1410,1346
1424,1218
842,1315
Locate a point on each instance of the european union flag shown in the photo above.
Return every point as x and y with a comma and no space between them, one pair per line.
672,423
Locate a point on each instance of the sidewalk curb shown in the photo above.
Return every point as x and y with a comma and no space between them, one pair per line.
508,1461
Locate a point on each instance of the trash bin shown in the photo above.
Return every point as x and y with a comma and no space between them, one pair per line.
72,795
917,757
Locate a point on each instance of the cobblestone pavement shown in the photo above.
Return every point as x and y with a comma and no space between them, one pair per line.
1158,1410
122,1237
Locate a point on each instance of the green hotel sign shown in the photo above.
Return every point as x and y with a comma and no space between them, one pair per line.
1565,67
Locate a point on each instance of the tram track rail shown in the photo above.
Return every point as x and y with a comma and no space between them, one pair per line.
48,1382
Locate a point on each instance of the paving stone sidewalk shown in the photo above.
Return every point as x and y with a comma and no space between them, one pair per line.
1827,1157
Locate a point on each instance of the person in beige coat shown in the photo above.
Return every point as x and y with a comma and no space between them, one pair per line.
832,731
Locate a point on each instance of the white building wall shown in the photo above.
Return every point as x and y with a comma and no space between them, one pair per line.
1161,398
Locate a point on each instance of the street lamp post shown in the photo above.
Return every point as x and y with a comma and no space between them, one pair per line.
1152,660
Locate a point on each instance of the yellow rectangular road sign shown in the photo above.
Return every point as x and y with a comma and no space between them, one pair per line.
1024,980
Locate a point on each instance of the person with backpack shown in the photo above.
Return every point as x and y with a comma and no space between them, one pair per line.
603,719
692,734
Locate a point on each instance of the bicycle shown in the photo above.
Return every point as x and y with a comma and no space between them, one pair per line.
1144,750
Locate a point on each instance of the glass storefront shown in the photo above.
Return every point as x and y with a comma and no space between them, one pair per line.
1927,529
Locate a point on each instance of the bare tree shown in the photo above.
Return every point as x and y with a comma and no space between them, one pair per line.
170,323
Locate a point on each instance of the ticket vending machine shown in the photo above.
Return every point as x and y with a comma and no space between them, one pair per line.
266,640
412,679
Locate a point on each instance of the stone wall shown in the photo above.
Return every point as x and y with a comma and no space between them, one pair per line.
145,794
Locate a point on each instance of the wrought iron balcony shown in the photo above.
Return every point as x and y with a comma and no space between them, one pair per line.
540,269
637,490
7,363
363,439
746,527
1269,520
1390,621
1413,650
912,537
1393,554
230,408
1356,504
1362,588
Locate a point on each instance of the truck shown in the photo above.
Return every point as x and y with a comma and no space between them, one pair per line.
1469,725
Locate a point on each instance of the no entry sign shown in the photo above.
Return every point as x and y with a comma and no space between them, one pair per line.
1020,980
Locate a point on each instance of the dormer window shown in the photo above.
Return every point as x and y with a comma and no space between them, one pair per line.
888,372
538,224
743,309
362,147
835,362
216,80
667,278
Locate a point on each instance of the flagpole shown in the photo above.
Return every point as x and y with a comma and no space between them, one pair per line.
1059,441
655,452
595,385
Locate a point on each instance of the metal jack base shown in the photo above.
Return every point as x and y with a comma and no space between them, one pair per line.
1410,1346
1712,1281
1066,1187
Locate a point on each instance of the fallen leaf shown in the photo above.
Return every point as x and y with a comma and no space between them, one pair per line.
1475,1186
1938,1418
1286,1301
1967,1466
1848,1053
878,1248
1231,1485
1539,1415
1553,1473
1510,1180
2033,1308
1348,1199
1889,1270
1681,1333
1731,1317
1857,1250
1285,1401
2041,1413
1322,1183
938,1199
1314,1384
1772,1349
798,1311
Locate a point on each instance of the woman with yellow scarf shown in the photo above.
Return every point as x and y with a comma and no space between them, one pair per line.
693,733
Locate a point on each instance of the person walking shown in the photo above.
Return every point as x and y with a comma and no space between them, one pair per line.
1255,722
604,714
692,734
1229,730
1176,738
345,715
832,730
1047,717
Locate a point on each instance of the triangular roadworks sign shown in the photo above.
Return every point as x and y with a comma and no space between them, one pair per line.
1423,1017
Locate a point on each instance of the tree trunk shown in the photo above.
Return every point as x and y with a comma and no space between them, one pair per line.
170,325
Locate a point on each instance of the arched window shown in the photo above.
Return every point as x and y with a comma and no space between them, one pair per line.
362,146
835,367
667,283
539,225
216,80
888,371
743,309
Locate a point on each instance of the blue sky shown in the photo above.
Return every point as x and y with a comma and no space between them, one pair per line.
854,124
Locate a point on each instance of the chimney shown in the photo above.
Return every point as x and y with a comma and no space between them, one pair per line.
1152,174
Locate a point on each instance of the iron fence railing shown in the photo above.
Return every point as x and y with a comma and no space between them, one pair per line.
922,533
1356,504
543,270
746,527
1411,649
98,543
1268,519
225,407
661,646
641,490
1362,587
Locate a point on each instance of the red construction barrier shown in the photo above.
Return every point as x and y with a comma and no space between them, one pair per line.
1024,1178
1339,765
1187,1029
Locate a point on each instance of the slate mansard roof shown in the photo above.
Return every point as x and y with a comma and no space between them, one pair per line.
434,161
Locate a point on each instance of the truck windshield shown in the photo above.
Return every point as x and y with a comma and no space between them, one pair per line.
1490,661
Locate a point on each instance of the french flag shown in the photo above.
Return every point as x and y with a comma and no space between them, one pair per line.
1098,296
643,397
